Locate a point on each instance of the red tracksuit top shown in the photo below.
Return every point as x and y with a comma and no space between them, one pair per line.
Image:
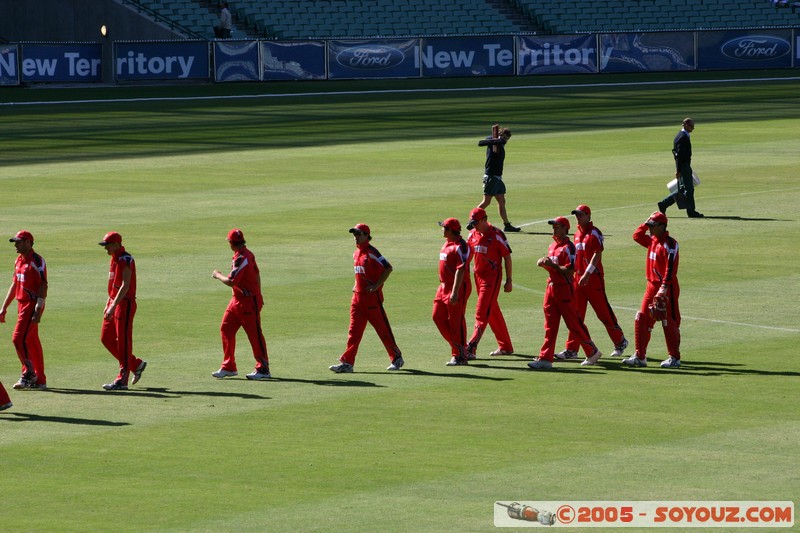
245,277
368,265
30,271
119,261
561,253
455,255
488,249
587,243
662,256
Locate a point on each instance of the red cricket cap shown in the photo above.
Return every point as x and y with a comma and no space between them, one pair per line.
582,210
235,235
561,221
363,228
477,214
21,236
110,237
451,223
656,218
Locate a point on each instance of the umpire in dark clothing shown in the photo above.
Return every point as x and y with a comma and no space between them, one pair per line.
682,150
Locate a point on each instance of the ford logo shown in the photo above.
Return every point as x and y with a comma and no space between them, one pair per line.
370,57
756,47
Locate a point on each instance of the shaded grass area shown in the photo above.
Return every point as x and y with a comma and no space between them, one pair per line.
239,121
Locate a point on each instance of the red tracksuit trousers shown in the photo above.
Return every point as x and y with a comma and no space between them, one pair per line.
117,336
488,313
244,313
558,304
367,307
450,320
594,293
26,342
671,325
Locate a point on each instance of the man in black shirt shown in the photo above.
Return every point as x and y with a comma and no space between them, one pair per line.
493,186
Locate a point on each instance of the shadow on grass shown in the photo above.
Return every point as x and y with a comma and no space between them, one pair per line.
165,392
698,368
743,219
521,358
159,392
454,374
27,417
525,368
328,382
169,125
523,232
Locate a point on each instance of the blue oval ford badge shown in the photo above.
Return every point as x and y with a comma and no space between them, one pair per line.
756,47
370,57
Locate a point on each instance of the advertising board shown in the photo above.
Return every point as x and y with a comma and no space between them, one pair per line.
647,52
386,58
293,60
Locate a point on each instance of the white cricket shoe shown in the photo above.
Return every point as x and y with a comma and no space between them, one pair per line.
222,373
258,374
592,359
397,364
341,368
137,374
540,364
671,363
620,348
635,361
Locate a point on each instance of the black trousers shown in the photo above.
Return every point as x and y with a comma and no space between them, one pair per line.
686,189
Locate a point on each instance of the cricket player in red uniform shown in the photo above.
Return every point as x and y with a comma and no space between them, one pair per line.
660,301
559,299
29,287
589,284
450,303
244,310
371,271
117,331
491,252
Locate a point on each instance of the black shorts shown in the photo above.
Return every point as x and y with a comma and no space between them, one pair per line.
493,185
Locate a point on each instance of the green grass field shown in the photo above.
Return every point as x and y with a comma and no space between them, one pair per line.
430,448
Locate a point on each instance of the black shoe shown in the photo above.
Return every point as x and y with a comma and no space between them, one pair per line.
695,214
511,229
662,207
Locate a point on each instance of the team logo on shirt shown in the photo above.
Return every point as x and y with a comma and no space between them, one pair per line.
481,249
359,269
21,276
653,256
442,256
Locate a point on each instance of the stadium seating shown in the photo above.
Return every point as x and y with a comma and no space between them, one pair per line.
292,19
654,15
301,19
